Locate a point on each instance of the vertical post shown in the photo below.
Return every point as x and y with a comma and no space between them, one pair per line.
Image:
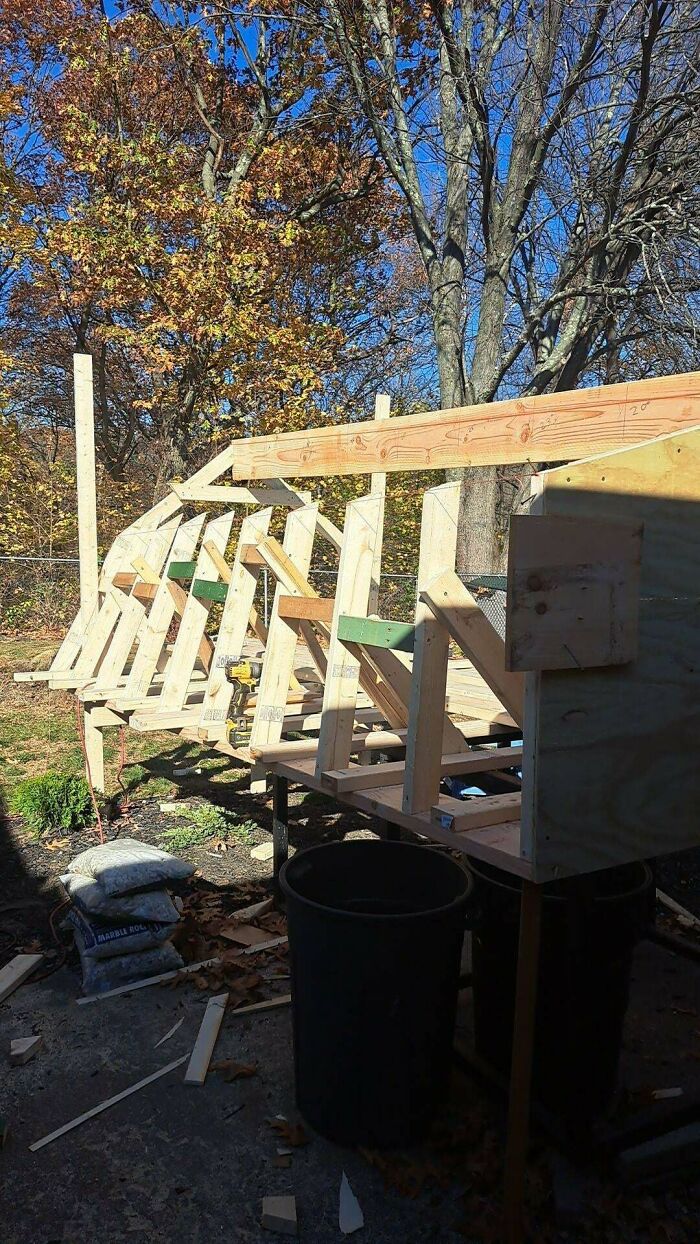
86,485
521,1060
87,535
382,410
280,817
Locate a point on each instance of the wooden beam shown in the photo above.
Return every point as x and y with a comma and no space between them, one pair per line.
376,632
472,731
251,556
315,610
382,411
203,1049
456,608
462,815
16,972
241,582
553,427
85,480
227,494
363,777
362,519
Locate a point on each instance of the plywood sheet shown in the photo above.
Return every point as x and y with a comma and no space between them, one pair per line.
610,770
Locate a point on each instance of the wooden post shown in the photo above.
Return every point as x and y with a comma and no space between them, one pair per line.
86,485
521,1061
382,410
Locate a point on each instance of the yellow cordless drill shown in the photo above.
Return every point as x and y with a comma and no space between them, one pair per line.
244,675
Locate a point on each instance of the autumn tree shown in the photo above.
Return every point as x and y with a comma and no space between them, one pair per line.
547,157
200,224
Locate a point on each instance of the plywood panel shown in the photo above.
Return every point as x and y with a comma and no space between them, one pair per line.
610,770
573,593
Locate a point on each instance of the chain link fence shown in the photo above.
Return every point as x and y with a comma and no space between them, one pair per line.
43,593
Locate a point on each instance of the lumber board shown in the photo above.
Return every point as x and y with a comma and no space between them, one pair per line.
362,519
293,560
610,771
241,584
382,411
86,485
472,731
314,610
376,632
230,494
194,619
456,608
197,1067
497,844
105,1105
392,773
552,427
464,815
573,593
152,636
427,736
16,972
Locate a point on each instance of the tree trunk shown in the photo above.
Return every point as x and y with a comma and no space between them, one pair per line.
477,543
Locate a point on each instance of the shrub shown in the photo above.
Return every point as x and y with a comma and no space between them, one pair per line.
53,801
206,821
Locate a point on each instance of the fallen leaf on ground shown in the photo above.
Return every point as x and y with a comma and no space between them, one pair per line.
230,1070
57,844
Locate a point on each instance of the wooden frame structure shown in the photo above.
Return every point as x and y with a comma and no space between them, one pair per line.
592,696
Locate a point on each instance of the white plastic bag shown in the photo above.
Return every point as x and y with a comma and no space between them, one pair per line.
125,865
89,897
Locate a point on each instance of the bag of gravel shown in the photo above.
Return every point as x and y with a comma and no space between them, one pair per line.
104,940
89,897
125,865
102,974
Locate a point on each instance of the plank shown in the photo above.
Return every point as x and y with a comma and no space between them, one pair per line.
16,972
105,1105
228,494
294,557
462,815
392,773
152,636
376,740
94,749
376,632
552,427
382,411
133,612
573,593
456,608
610,771
362,519
203,1048
318,610
145,982
240,593
194,619
427,738
86,484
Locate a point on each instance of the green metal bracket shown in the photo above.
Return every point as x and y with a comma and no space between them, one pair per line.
376,633
204,590
181,570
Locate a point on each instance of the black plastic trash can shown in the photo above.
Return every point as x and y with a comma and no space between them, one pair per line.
590,927
375,938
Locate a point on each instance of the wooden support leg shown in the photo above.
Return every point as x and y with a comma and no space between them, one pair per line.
258,780
280,815
387,831
94,747
521,1061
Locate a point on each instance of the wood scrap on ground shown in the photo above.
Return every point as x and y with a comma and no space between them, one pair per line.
24,1048
105,1105
279,1213
206,1040
16,972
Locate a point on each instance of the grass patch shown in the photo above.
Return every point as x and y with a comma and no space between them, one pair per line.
205,822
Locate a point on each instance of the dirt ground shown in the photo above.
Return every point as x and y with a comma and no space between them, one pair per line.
175,1161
